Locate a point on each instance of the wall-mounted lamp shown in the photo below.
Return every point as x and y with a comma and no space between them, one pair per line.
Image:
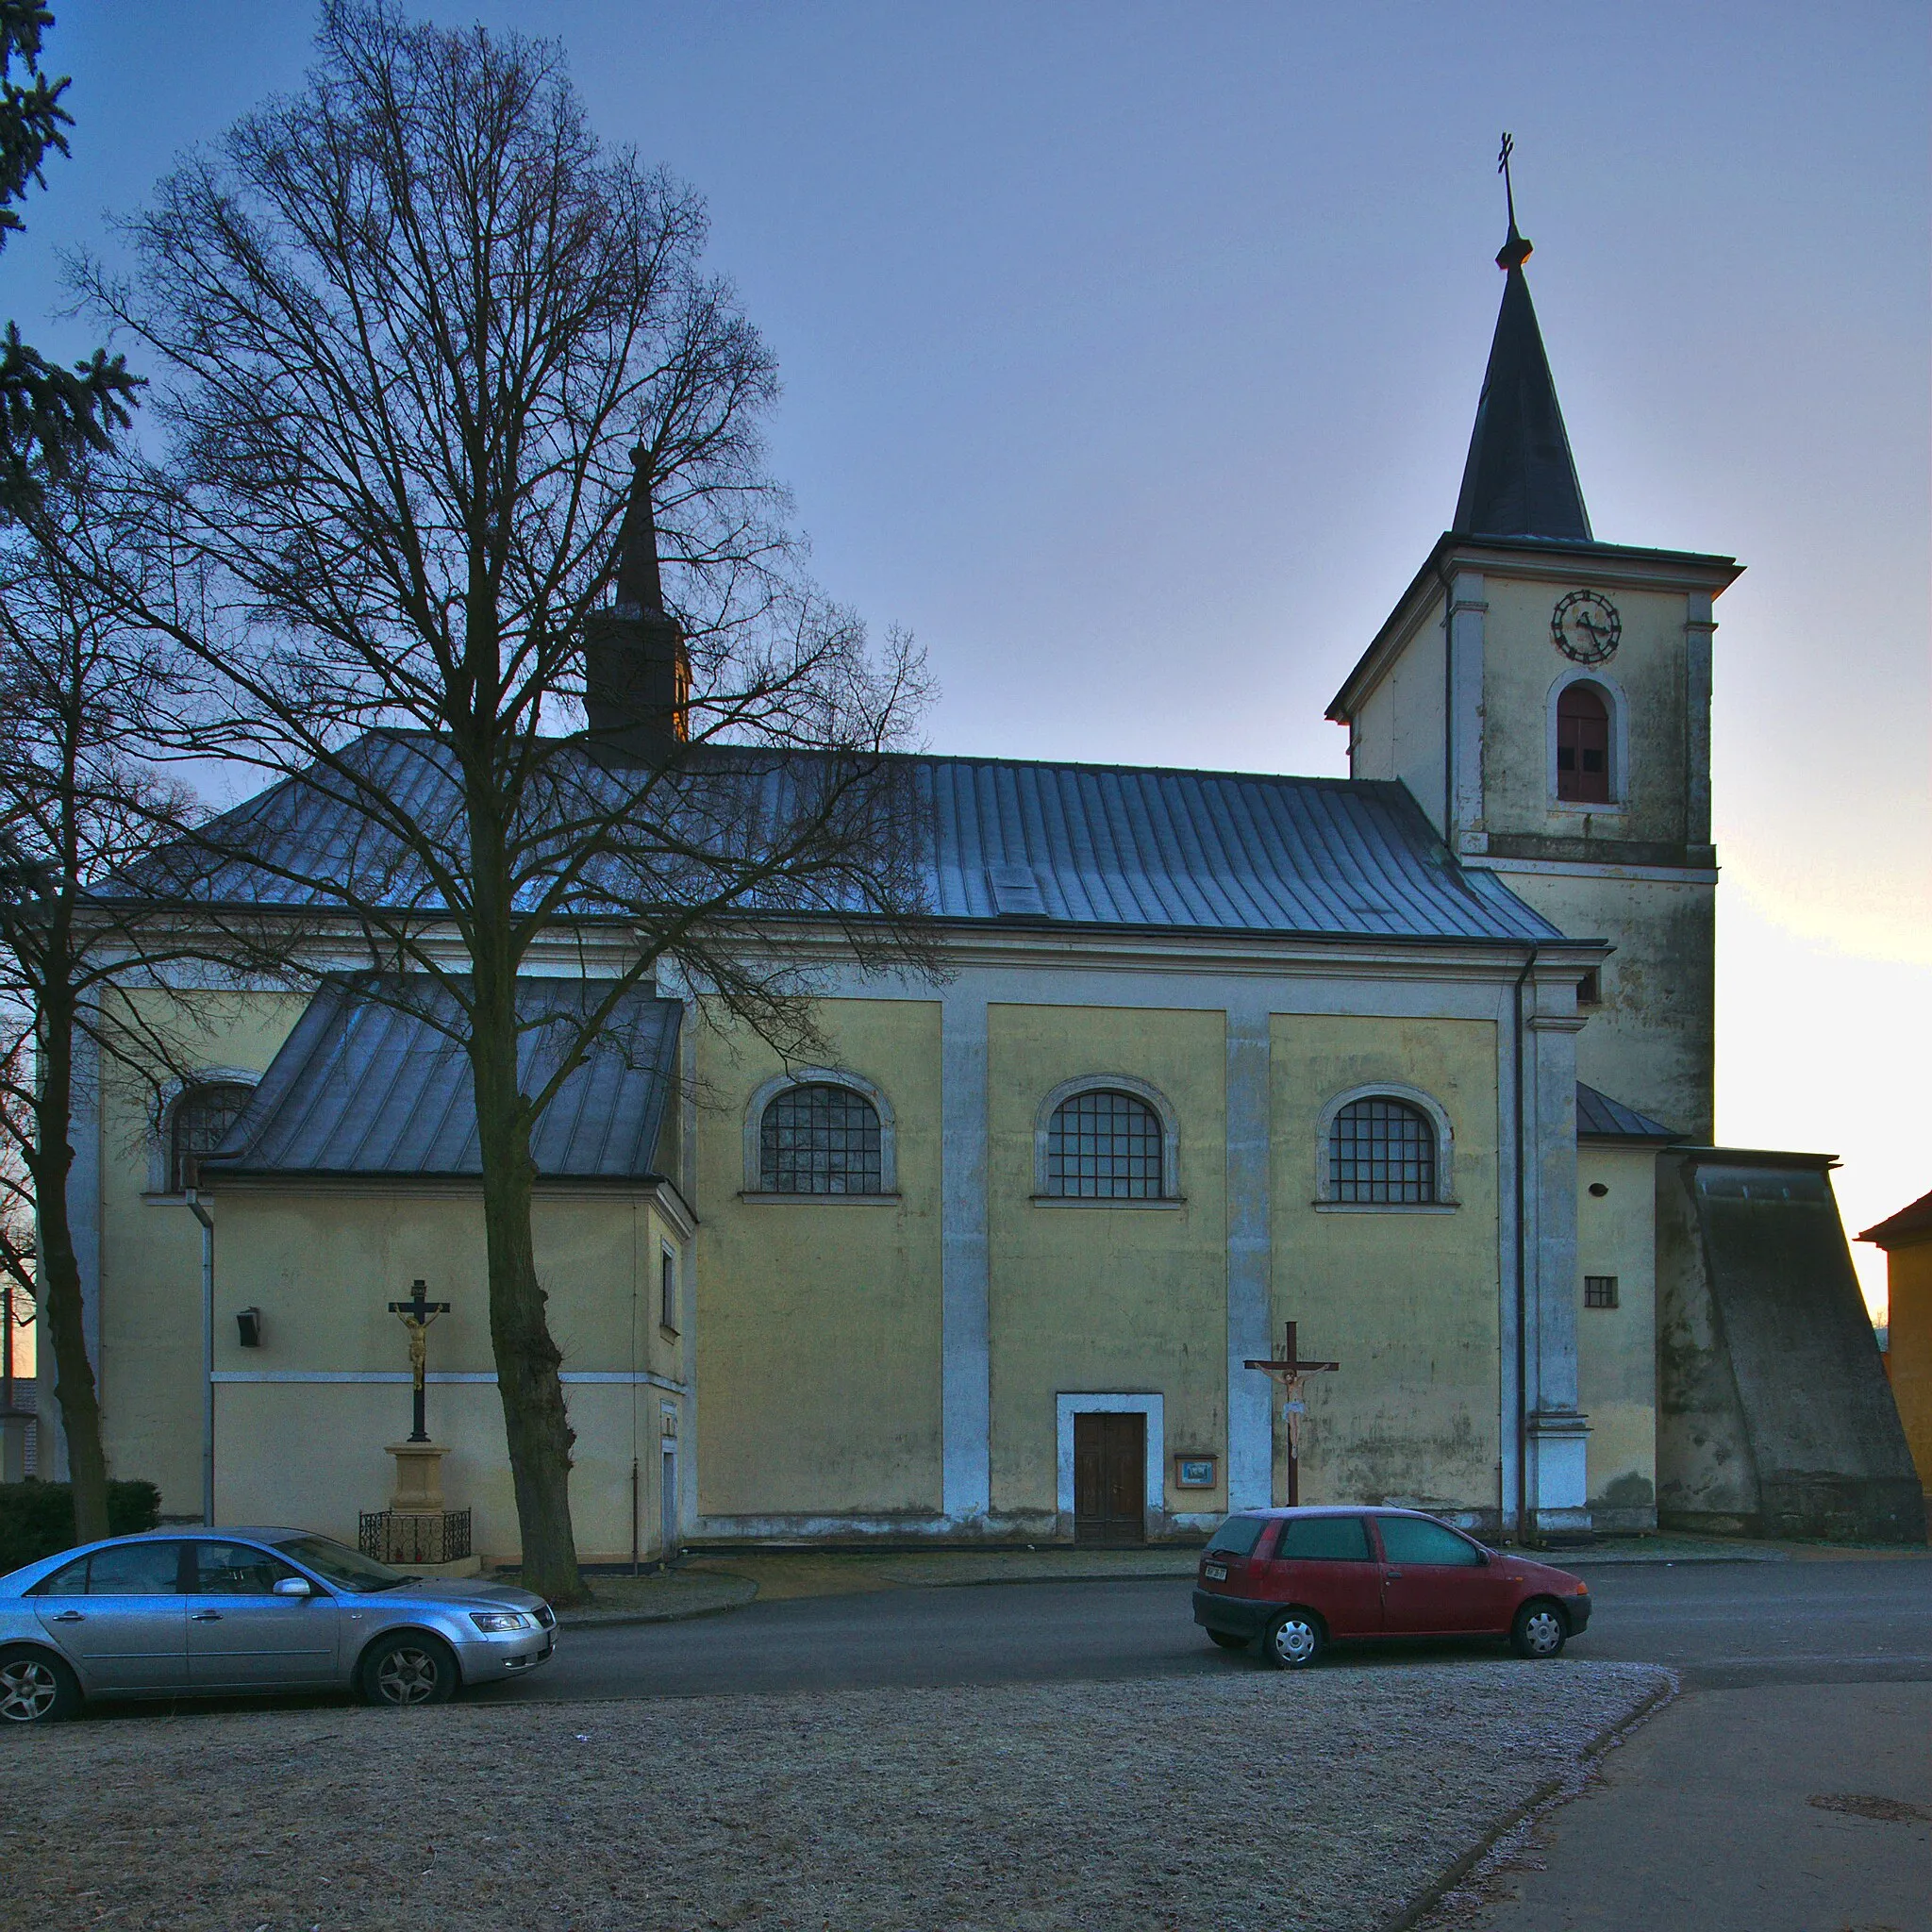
249,1322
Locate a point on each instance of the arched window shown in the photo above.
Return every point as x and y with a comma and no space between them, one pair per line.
198,1123
1583,745
1105,1145
821,1139
1382,1150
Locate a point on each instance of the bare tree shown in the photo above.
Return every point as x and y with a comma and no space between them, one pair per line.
429,351
19,1246
79,689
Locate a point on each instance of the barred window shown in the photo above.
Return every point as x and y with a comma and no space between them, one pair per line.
198,1123
1599,1291
1382,1150
821,1140
1102,1145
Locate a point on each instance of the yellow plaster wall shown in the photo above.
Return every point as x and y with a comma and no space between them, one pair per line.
150,1367
1107,1297
1651,1044
1616,1348
324,1262
1521,664
818,1327
1398,732
1909,1337
1407,1302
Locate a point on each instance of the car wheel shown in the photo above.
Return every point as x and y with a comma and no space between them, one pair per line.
409,1670
1539,1629
1294,1639
1227,1640
35,1689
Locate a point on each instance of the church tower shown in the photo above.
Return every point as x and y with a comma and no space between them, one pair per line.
637,668
1546,698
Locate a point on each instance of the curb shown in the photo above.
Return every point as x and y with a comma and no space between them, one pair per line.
1072,1577
604,1620
1552,1791
608,1620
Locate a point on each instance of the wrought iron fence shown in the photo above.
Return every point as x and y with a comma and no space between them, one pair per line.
414,1536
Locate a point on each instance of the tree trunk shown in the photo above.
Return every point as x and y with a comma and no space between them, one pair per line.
536,1423
50,1161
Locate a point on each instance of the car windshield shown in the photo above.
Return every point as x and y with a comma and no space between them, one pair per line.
337,1563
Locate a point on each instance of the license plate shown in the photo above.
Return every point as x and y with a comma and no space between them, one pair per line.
1217,1571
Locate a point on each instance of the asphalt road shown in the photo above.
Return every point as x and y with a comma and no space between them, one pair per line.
1722,1625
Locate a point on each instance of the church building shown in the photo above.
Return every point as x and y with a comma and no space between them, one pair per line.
1418,1060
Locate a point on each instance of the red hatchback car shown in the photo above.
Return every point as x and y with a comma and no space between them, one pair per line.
1296,1578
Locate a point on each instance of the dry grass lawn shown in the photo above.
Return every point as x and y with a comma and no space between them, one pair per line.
1258,1800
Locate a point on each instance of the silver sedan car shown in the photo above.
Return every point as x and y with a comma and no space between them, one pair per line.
218,1612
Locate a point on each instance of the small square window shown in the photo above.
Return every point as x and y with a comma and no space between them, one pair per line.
1599,1291
1589,989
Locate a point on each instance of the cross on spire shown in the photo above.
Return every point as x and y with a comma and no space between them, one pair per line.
1515,250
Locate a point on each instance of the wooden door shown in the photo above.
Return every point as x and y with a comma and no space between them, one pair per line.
1110,1478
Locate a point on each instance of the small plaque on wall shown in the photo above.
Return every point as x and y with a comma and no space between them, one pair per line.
1193,1471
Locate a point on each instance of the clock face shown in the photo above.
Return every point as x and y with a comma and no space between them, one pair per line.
1585,625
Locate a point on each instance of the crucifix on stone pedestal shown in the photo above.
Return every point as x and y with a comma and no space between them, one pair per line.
417,1314
1292,1374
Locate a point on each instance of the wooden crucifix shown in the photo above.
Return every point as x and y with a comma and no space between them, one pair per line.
1294,1373
417,1313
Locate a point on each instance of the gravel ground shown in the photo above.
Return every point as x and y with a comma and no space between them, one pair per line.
1256,1800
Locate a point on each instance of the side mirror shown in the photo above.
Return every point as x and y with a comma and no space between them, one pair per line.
293,1585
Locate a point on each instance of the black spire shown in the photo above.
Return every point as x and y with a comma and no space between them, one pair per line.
636,672
1519,479
640,585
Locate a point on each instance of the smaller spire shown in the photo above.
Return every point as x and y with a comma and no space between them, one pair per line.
636,671
1516,248
639,582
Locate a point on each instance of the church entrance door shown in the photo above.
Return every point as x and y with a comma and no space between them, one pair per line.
1110,1478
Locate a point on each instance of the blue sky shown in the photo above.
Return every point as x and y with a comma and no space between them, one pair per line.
1130,353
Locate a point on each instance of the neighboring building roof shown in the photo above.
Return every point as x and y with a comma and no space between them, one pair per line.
1902,1230
364,1087
995,840
1519,479
1600,1118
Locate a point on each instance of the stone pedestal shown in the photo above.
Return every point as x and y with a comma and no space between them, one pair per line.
419,1477
416,1521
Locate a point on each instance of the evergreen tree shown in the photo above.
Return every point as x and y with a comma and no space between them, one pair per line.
47,412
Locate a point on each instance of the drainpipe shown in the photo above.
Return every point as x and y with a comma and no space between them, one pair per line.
1523,1524
207,1356
1449,825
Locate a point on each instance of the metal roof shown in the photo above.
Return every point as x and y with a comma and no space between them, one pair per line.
994,839
1600,1118
1519,479
371,1082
